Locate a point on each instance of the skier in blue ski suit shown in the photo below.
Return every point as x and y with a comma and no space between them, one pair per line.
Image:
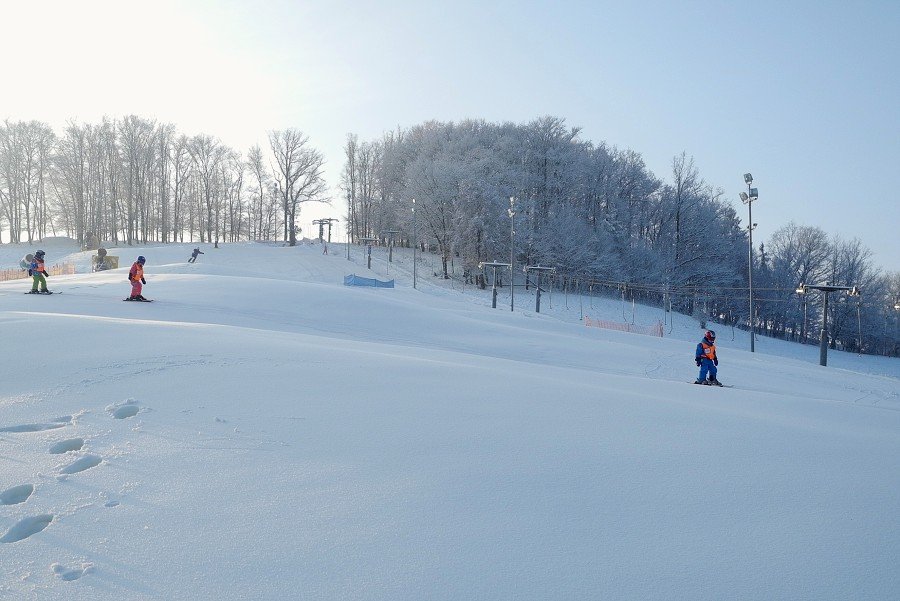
706,360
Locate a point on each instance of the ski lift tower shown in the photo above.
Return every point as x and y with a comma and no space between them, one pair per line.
827,289
537,270
369,242
494,266
390,234
322,223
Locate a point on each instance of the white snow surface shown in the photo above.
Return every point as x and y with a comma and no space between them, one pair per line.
262,431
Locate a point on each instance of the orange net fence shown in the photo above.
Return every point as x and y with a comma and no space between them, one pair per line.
654,330
19,274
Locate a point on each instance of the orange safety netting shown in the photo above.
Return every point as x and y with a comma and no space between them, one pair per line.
654,330
18,274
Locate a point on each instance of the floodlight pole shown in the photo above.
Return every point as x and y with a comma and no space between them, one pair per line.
349,221
748,198
512,252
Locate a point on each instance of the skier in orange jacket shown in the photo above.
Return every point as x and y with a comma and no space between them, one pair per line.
136,277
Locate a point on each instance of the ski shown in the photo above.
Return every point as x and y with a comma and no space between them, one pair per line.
138,300
713,385
40,292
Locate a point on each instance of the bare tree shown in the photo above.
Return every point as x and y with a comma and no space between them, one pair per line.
299,173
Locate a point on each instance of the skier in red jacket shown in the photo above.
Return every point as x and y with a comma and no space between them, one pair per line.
136,277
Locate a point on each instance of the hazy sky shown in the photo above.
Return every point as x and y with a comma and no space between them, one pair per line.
804,95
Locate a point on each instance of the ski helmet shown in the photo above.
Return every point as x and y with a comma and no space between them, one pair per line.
39,253
710,335
141,259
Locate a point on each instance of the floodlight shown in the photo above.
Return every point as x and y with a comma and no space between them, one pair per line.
748,179
744,197
753,194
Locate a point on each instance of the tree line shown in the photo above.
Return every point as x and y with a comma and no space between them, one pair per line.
537,194
136,180
483,192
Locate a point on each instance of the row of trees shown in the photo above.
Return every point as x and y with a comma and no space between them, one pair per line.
600,217
135,180
592,211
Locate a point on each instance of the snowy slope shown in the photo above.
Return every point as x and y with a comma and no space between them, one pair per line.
263,432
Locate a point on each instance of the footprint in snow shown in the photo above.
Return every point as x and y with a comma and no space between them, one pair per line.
64,446
26,527
124,410
16,494
81,464
73,574
59,422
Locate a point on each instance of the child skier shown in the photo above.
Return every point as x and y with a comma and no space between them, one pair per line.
706,360
194,254
136,277
38,274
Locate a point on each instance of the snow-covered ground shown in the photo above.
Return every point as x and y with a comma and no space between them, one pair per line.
263,432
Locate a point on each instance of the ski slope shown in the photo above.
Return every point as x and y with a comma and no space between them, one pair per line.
263,432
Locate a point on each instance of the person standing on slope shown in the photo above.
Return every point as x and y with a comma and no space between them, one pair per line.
38,273
706,360
136,277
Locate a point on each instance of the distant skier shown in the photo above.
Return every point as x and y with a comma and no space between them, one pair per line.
194,254
706,360
136,277
38,273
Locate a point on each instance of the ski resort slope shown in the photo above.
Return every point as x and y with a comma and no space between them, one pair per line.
261,431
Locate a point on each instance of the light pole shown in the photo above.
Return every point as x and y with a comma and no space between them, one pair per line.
275,195
801,290
415,242
349,222
512,252
747,198
896,314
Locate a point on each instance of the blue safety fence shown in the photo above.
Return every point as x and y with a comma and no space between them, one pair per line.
355,280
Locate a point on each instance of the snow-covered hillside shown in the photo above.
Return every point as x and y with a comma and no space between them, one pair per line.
263,432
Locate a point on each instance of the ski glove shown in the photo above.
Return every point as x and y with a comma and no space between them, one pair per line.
716,361
698,362
143,281
29,272
46,275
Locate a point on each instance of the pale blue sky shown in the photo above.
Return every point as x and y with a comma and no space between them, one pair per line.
804,95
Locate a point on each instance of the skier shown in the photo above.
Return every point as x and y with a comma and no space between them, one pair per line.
706,360
194,254
38,273
136,277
